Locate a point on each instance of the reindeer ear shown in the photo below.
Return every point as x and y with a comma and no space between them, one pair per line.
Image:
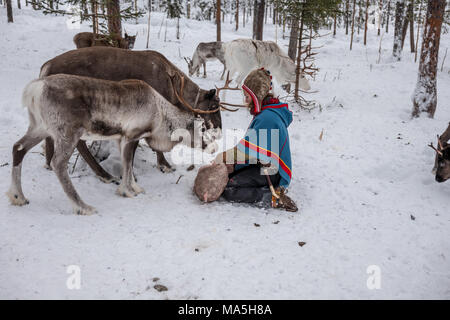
211,94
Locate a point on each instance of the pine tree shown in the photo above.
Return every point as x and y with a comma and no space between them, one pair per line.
114,21
258,19
218,23
425,93
9,11
399,13
102,22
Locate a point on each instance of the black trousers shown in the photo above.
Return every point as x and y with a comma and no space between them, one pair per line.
248,185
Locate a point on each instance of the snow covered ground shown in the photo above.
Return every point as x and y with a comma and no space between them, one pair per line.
365,191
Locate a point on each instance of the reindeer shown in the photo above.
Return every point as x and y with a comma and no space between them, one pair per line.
245,55
87,39
442,161
68,108
149,66
206,51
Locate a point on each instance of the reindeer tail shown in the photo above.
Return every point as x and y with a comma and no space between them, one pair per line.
32,93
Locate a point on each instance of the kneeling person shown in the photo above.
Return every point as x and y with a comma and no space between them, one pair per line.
262,159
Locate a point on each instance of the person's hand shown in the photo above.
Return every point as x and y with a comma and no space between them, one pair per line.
218,159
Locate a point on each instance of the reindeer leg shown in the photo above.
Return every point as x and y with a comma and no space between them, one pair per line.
128,187
20,148
134,146
223,72
204,69
64,150
163,164
93,164
49,151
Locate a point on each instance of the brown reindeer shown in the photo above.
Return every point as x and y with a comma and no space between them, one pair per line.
69,108
442,160
87,39
149,66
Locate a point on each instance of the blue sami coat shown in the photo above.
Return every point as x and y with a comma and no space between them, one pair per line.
267,139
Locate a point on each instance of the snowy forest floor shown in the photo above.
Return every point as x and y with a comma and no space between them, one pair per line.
365,191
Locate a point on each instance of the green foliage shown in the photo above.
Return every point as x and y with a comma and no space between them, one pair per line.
174,8
83,9
315,13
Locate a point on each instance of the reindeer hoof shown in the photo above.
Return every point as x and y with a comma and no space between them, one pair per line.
110,180
126,192
137,188
16,199
85,211
48,167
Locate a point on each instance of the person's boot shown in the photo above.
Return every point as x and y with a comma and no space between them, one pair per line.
283,201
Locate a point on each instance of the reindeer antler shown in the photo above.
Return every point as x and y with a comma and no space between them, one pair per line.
184,102
439,142
225,108
227,85
439,152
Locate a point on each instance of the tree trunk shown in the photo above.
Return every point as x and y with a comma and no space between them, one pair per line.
274,15
353,24
243,15
346,16
218,23
407,21
94,10
411,26
298,69
365,22
388,14
399,13
114,19
188,9
148,23
334,25
359,15
380,13
255,10
418,31
9,11
237,15
258,19
425,93
292,50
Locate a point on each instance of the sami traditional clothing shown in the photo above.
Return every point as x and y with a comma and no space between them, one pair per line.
267,139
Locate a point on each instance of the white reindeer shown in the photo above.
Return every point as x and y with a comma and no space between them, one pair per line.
244,55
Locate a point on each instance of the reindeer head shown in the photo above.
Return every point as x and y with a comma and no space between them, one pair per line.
205,107
442,160
190,64
130,40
